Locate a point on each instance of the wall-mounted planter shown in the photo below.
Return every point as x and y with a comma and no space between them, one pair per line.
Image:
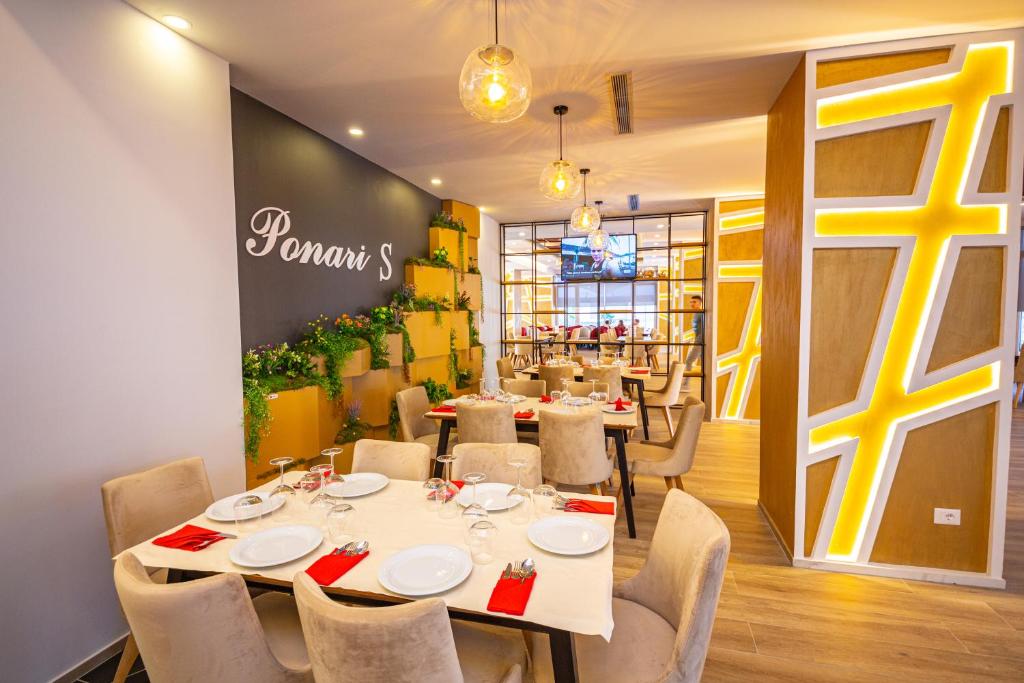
472,285
358,364
430,281
449,239
394,344
428,338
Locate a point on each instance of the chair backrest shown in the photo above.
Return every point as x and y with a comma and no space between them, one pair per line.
573,447
410,642
393,459
610,375
524,346
534,388
682,579
492,460
584,388
578,358
676,375
554,374
141,505
486,422
201,630
505,368
412,405
684,443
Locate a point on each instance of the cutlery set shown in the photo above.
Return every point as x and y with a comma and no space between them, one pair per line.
519,570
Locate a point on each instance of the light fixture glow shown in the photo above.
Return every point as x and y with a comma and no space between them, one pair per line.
177,22
585,218
560,179
435,181
355,132
495,83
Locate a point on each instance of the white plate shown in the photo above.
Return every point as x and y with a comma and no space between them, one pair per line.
276,546
626,410
425,570
358,484
512,398
223,510
457,401
568,535
493,496
578,401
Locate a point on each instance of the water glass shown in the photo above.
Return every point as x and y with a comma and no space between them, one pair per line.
448,508
340,522
248,510
433,490
481,537
544,500
473,512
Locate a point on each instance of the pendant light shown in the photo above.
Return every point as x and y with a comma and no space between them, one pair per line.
495,83
597,239
585,218
560,179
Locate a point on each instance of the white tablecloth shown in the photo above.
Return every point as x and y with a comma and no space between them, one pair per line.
570,593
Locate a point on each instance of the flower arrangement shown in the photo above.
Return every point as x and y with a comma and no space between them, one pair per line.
352,429
443,219
440,257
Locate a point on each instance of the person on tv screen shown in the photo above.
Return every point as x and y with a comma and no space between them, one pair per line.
605,263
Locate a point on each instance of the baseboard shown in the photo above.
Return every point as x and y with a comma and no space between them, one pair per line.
97,658
775,531
906,572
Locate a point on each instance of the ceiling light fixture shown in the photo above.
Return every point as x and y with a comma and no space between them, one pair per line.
435,181
355,131
560,179
177,22
585,218
495,83
598,239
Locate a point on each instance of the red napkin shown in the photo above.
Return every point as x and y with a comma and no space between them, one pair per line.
444,409
639,371
458,484
189,537
621,405
330,568
510,596
595,507
545,398
524,415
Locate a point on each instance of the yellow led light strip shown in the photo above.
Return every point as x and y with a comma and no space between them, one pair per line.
739,221
986,72
743,359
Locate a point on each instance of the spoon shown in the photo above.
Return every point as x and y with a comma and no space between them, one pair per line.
526,571
357,548
343,550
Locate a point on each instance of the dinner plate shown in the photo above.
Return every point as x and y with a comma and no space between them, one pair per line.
568,535
626,410
223,510
578,401
425,570
457,401
492,495
512,398
358,484
276,546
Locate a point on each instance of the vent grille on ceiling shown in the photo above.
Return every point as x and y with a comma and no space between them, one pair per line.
622,101
634,202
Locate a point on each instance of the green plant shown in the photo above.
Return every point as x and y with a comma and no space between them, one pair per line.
473,267
430,263
463,301
352,429
453,358
432,303
403,298
257,415
408,353
436,391
442,219
463,378
336,347
394,420
440,258
474,333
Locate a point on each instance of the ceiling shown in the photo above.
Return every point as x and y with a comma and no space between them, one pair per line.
704,75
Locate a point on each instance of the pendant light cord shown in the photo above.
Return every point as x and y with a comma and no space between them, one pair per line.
496,22
560,136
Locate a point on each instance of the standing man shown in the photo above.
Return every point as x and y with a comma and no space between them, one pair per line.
695,352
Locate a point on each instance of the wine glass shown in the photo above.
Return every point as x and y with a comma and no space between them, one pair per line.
519,497
333,479
434,487
474,511
340,522
283,492
308,486
480,538
248,512
544,500
323,501
447,507
593,395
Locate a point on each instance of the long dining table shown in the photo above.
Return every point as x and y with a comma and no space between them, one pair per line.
572,594
616,426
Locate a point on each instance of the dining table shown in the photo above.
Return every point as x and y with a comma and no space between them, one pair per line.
617,426
571,594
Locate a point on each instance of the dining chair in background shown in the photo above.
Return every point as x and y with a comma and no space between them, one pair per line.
668,395
139,506
210,629
486,422
610,375
673,458
663,615
531,388
574,337
574,450
505,368
413,404
492,459
414,642
554,374
523,352
584,389
653,350
395,460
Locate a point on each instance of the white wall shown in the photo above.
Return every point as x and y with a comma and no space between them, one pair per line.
118,301
489,248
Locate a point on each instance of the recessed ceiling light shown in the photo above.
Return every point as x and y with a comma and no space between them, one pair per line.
522,234
661,225
355,132
177,22
435,181
481,208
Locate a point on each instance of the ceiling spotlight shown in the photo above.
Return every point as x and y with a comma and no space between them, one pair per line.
177,22
435,181
355,132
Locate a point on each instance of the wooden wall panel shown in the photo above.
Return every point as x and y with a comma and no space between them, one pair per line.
994,175
817,484
838,71
733,303
847,292
945,464
741,246
753,409
720,390
882,162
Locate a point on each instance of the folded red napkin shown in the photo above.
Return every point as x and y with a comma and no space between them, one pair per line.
596,507
189,537
444,409
622,405
545,398
524,415
510,595
639,371
330,568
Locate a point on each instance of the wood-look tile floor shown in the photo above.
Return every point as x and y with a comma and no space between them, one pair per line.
779,623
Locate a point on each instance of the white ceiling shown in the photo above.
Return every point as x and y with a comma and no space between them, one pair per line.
705,73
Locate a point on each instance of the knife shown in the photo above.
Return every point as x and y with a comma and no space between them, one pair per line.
508,571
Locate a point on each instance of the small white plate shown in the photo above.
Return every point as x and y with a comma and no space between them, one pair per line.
425,570
568,535
626,410
223,510
358,484
276,546
493,496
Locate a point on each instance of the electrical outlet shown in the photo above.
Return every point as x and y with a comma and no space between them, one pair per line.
947,516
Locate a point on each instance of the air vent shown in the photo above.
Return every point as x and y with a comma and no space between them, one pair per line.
634,202
622,101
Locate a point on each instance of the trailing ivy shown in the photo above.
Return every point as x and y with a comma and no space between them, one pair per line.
394,420
432,303
453,358
436,391
474,334
257,415
408,354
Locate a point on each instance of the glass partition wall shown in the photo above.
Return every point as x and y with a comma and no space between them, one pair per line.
540,310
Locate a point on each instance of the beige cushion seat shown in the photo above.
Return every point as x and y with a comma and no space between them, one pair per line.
673,458
280,620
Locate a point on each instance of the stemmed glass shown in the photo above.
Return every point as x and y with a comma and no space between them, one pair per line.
593,395
447,507
474,512
519,497
487,391
566,394
333,477
248,511
323,501
434,488
283,492
309,486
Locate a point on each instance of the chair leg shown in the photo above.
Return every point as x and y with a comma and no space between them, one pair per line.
1020,393
595,490
679,482
604,488
669,483
128,657
668,420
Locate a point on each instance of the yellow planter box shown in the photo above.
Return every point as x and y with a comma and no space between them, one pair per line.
431,368
374,391
469,214
394,342
472,285
460,324
472,250
430,281
358,364
449,239
428,338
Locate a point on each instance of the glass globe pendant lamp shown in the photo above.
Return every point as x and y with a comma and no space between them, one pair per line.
495,82
560,179
585,218
597,239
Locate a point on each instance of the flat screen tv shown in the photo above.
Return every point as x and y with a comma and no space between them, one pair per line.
617,261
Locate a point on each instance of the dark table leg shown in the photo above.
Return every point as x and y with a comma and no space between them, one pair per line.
563,657
627,495
442,445
643,409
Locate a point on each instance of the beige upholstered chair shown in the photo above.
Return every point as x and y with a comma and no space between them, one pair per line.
534,388
492,460
663,615
673,458
577,358
505,369
210,630
393,459
412,405
574,449
585,388
668,395
522,355
609,344
574,337
486,422
554,374
653,350
141,505
411,643
610,375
